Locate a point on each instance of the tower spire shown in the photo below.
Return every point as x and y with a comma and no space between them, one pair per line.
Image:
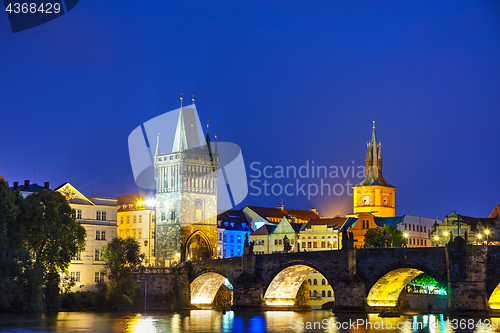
157,145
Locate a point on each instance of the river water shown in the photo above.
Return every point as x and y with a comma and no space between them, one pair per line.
239,322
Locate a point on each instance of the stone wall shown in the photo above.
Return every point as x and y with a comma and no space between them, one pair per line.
156,291
223,298
424,303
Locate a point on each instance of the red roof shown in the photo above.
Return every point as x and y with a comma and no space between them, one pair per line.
267,212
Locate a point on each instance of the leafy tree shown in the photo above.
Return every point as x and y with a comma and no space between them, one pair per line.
375,236
396,235
8,215
121,257
51,233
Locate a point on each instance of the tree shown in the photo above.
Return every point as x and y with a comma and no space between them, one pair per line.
52,236
397,236
50,230
394,237
8,215
374,237
121,257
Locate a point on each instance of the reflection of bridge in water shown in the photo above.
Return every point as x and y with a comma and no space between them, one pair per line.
362,279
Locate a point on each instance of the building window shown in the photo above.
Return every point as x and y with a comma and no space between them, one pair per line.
128,219
232,252
97,235
315,282
323,244
425,242
329,294
406,226
140,218
275,242
139,233
323,293
225,251
103,215
323,282
121,220
79,214
309,280
418,241
134,233
413,227
425,228
98,215
263,242
232,238
99,277
315,293
220,236
292,241
279,242
78,256
308,245
239,239
75,276
315,244
135,218
172,215
97,256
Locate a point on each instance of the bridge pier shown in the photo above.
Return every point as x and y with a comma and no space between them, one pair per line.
466,278
248,287
350,294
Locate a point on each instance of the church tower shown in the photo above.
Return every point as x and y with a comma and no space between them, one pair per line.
374,194
186,195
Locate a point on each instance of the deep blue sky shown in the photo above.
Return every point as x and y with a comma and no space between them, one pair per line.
287,81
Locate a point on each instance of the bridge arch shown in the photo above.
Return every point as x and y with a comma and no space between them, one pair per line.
285,281
204,288
385,288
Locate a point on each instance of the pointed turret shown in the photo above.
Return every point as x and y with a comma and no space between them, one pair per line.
216,150
374,163
186,132
157,145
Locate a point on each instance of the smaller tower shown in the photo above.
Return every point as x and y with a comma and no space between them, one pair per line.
374,194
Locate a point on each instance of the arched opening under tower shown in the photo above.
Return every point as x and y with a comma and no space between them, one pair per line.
197,248
211,290
298,286
387,290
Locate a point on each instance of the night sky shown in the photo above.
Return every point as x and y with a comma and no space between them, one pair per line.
290,82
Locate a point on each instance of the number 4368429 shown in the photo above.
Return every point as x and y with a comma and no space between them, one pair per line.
25,8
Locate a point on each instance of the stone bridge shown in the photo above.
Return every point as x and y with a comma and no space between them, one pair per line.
362,279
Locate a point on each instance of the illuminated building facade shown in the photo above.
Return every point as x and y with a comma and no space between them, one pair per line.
136,219
98,217
232,229
479,230
186,195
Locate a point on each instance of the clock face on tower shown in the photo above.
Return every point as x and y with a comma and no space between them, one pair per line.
366,200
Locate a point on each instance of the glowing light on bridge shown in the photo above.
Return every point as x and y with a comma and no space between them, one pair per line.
494,301
387,289
205,287
284,287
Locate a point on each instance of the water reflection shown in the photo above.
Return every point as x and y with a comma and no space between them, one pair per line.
229,322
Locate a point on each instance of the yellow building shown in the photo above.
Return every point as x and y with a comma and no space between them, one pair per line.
320,291
98,217
321,234
136,219
374,194
270,238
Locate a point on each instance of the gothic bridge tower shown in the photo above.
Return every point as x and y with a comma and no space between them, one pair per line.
186,195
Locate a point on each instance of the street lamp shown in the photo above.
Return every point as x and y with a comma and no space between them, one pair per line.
436,238
487,232
480,236
406,236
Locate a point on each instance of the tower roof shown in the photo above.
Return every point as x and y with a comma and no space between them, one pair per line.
186,133
374,163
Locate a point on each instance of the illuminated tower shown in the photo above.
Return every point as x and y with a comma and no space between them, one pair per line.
186,195
374,194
